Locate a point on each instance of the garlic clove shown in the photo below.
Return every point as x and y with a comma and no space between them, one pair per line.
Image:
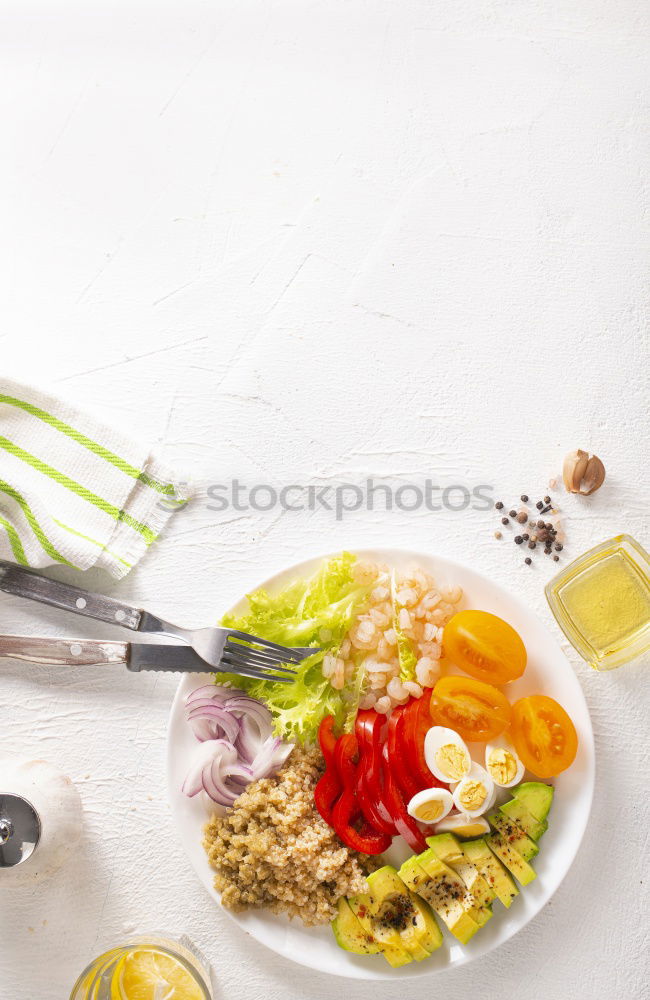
594,476
583,474
573,469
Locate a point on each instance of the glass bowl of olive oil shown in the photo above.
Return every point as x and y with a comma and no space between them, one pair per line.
601,602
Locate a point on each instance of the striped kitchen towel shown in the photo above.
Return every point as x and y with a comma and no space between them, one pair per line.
74,491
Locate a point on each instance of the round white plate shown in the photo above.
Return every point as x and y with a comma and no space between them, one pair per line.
547,672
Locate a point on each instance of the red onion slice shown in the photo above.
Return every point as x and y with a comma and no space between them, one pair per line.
219,718
270,758
249,740
204,753
235,744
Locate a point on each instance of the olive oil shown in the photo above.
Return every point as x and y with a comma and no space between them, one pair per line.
602,603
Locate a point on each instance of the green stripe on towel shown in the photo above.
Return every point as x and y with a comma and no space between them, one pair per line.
15,542
93,541
46,544
97,449
74,487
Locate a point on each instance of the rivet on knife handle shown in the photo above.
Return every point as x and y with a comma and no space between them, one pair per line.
22,582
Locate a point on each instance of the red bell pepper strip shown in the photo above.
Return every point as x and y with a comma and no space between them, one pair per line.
368,728
404,823
398,755
326,794
365,839
328,787
327,739
417,723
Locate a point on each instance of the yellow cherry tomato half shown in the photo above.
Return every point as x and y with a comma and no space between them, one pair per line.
484,646
543,735
476,711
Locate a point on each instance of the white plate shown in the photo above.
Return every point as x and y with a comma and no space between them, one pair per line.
547,672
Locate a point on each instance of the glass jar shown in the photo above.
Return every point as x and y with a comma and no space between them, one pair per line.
601,602
145,967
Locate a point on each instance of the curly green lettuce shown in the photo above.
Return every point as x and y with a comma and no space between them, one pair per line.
406,654
317,611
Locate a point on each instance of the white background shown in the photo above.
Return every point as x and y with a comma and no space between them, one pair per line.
311,242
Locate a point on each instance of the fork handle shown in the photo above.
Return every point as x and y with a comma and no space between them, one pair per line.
22,582
68,652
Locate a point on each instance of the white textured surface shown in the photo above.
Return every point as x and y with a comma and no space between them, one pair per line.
292,240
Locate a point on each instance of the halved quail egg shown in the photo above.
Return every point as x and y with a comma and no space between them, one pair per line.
474,794
463,826
446,755
431,805
503,764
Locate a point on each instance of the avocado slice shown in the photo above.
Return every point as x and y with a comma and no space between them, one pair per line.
510,858
431,865
515,810
536,796
448,849
350,933
387,940
395,909
445,892
425,923
513,835
496,876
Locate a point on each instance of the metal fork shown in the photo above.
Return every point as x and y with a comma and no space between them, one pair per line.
221,648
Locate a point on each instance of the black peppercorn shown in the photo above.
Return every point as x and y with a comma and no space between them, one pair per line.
556,558
499,505
513,513
547,551
539,504
540,524
505,520
558,547
532,545
523,498
526,537
518,539
547,499
549,525
528,560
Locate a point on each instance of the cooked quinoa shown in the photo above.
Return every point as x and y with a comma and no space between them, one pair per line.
274,850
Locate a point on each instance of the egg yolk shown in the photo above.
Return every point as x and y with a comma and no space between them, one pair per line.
429,811
470,830
452,761
472,795
502,766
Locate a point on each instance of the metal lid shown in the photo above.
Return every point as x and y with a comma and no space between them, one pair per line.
20,830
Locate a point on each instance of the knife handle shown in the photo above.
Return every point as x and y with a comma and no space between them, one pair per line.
22,582
67,652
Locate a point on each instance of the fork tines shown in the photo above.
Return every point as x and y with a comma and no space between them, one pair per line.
254,657
271,652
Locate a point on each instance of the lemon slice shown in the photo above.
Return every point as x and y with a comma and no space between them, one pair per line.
150,974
